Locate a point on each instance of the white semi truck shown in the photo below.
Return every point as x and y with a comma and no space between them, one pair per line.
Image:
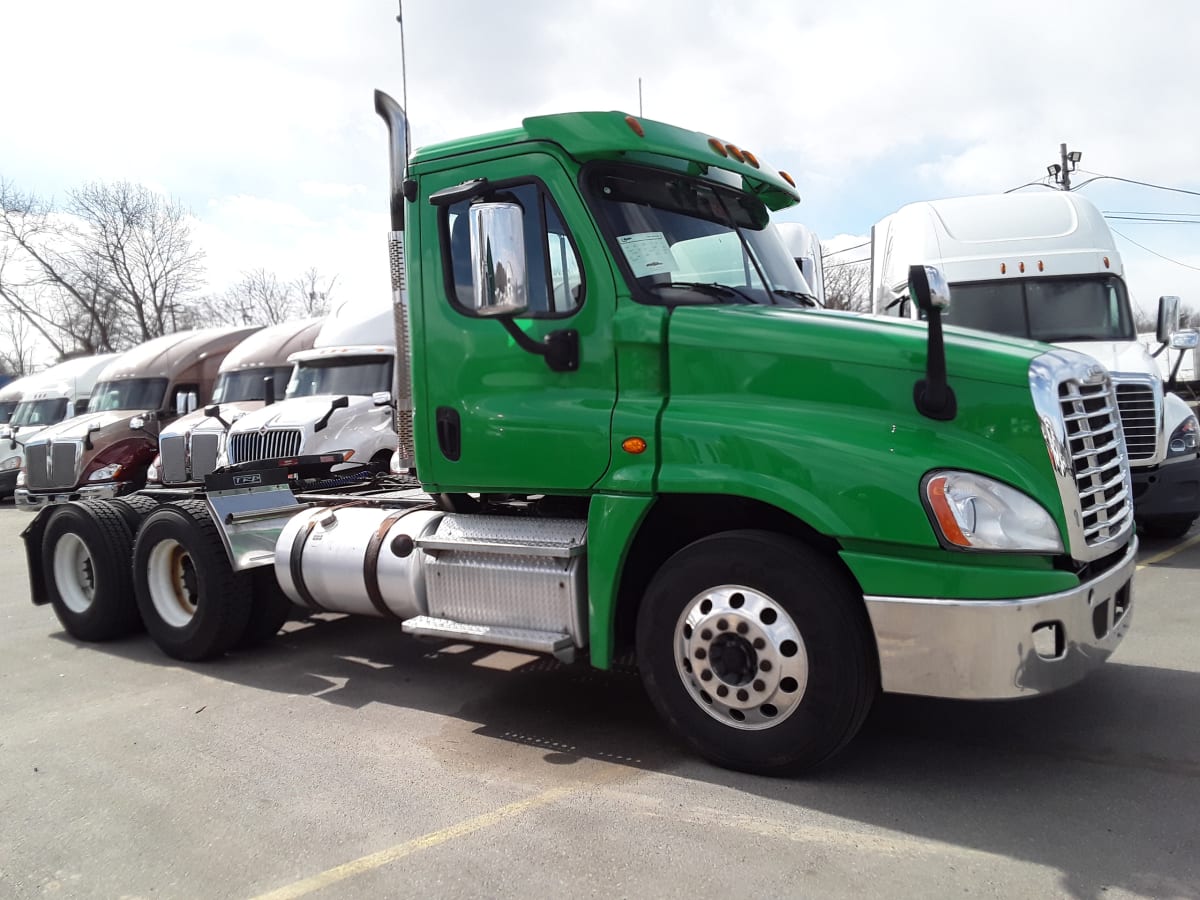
339,397
805,247
47,398
1044,266
254,374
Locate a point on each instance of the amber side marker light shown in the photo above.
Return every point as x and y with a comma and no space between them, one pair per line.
788,178
635,126
735,152
1003,268
1021,267
717,146
1041,266
945,516
634,445
751,158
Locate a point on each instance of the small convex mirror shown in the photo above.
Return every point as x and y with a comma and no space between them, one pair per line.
1188,339
498,259
928,289
382,398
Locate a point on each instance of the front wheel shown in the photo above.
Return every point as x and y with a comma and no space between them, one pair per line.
1168,526
757,651
194,604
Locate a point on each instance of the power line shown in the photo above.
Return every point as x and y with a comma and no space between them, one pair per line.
844,250
852,262
1155,252
1160,187
1030,184
1128,212
1144,220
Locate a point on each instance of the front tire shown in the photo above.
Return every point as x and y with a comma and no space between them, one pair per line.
85,553
757,652
1168,526
194,605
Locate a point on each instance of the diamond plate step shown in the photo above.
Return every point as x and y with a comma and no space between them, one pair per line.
559,645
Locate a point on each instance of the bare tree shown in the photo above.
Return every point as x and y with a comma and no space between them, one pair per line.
847,285
17,347
260,298
114,267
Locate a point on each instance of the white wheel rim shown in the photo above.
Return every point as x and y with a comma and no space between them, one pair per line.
74,573
171,579
741,657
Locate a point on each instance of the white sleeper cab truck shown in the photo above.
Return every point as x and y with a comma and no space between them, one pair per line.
49,397
805,248
10,396
1044,266
254,374
339,398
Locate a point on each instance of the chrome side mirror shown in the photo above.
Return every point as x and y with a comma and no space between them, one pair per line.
382,398
498,259
1168,318
928,288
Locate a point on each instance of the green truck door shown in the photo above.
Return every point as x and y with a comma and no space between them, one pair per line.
496,418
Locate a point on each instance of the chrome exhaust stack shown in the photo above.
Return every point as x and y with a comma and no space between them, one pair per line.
397,123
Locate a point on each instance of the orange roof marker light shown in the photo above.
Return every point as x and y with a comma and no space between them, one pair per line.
718,146
788,178
750,158
635,126
1041,266
1003,268
634,445
735,152
1106,262
1021,267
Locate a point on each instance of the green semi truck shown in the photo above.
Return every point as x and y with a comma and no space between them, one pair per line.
633,431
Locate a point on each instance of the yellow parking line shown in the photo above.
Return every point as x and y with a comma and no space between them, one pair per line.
1167,554
432,839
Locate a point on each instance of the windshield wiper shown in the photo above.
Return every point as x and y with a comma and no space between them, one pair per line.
805,299
711,289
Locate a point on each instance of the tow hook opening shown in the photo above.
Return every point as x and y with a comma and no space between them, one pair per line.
1050,640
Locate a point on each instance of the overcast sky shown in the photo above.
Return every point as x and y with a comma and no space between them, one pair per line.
258,114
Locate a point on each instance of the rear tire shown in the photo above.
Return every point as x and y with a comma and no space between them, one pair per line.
193,603
269,609
84,553
134,509
757,651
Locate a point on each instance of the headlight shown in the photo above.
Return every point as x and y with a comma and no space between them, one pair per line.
13,462
106,473
974,512
21,477
1184,439
152,472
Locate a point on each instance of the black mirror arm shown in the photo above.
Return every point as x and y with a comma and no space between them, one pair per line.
214,412
559,348
337,403
932,395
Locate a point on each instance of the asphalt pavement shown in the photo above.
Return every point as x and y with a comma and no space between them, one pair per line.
347,760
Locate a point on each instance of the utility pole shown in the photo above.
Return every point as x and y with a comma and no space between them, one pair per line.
1061,171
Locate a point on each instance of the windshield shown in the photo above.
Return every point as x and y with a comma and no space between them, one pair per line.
1090,308
128,393
234,387
40,412
6,410
355,376
680,235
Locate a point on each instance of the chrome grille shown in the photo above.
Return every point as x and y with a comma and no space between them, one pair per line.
272,444
205,445
172,458
1139,418
1097,451
35,466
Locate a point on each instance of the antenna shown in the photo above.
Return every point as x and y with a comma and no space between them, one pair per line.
403,77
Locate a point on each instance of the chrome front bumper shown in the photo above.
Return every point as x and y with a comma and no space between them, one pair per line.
985,649
105,490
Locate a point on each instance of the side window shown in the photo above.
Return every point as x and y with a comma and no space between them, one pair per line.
552,263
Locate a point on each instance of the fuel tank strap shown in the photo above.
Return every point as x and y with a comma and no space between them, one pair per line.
371,560
296,566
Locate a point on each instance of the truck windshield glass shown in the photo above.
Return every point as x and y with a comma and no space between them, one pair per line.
236,387
129,393
6,410
40,412
356,376
680,236
1049,309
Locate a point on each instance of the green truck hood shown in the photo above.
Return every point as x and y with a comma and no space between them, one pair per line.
812,411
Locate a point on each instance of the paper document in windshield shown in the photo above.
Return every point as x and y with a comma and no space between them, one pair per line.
647,253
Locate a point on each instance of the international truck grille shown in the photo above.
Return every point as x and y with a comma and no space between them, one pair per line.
1139,418
272,444
52,466
172,458
1094,441
205,447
